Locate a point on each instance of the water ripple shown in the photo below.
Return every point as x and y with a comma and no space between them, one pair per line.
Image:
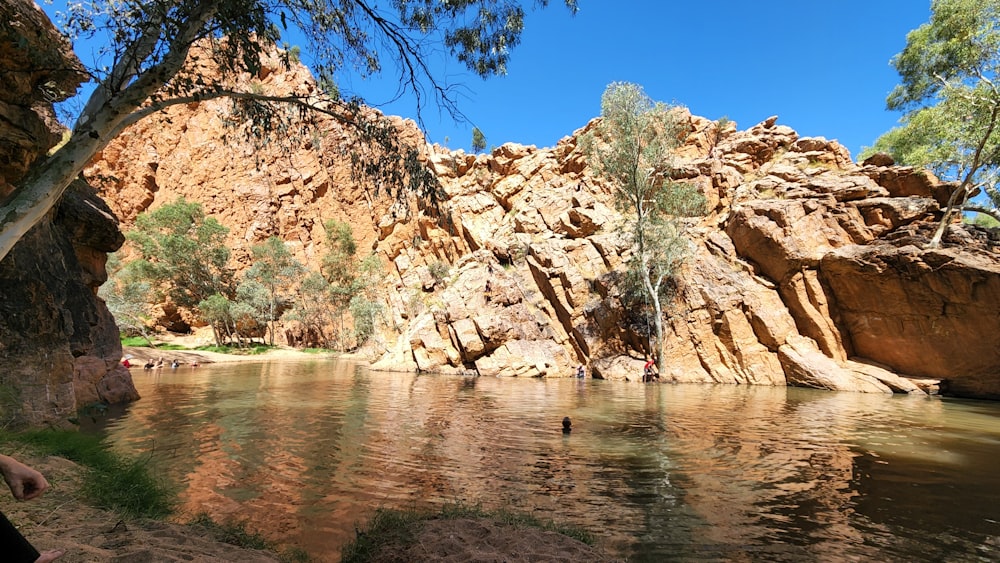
687,473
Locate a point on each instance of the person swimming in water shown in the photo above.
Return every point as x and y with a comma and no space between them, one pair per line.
567,425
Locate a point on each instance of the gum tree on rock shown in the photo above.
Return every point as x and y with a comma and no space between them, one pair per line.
631,147
146,45
951,99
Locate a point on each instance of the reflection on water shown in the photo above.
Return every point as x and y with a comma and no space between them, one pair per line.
305,450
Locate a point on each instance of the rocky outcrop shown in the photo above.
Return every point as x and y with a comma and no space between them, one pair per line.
59,349
807,270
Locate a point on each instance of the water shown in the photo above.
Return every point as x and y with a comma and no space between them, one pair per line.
305,450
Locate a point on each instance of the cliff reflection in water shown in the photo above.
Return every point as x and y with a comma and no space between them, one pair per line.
305,450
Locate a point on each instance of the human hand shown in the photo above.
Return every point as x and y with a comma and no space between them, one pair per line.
25,483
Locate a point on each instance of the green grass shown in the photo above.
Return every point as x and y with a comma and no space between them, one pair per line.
318,351
236,533
134,341
236,350
400,527
111,481
140,342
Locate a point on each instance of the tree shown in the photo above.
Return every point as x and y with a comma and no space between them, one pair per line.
364,305
183,251
313,307
216,310
126,294
631,147
478,140
275,270
951,99
146,46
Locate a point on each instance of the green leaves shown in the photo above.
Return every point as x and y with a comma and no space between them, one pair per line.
631,148
478,140
183,251
959,45
949,70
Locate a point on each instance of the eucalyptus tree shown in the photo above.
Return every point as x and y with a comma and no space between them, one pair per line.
182,252
275,271
127,296
949,93
631,147
313,308
145,45
351,282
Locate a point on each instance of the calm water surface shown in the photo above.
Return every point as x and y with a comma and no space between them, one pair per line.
306,450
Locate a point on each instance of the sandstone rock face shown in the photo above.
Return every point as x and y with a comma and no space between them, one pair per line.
926,313
59,349
39,69
805,271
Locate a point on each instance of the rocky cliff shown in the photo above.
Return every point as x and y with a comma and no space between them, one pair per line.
59,346
808,270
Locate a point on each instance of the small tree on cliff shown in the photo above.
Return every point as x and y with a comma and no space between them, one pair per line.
949,91
632,148
478,140
146,47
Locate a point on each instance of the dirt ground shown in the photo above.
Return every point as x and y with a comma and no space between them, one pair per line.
61,520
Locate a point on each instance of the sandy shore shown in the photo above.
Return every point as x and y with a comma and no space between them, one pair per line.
139,355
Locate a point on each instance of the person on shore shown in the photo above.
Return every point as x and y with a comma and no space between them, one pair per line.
649,371
25,484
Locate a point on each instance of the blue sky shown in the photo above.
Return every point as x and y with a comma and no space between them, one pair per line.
822,68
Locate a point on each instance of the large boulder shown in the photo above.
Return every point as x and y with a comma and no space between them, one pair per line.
928,313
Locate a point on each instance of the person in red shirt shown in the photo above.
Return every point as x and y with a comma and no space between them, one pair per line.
648,371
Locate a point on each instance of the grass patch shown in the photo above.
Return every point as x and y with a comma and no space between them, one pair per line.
135,341
236,533
236,350
111,481
400,527
233,533
318,351
140,342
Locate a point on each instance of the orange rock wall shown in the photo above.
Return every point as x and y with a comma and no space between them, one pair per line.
781,285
